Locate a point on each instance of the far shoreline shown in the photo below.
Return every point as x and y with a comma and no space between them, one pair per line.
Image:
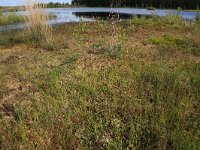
20,8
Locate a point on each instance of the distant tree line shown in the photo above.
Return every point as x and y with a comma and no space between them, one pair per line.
185,4
56,5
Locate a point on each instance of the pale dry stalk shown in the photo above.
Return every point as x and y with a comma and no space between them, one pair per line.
37,20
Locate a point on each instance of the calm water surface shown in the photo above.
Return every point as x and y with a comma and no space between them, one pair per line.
68,15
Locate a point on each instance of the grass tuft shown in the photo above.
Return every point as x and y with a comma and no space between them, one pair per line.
37,21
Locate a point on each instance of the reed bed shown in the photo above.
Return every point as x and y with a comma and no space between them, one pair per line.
10,18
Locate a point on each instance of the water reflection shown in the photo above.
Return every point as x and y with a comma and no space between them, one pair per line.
103,15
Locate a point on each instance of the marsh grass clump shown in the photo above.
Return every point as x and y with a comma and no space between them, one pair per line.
113,51
8,39
111,45
50,45
175,21
37,22
141,21
10,18
38,32
197,18
4,41
169,44
197,22
167,40
115,39
98,48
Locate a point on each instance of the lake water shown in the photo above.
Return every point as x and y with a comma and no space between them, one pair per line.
68,15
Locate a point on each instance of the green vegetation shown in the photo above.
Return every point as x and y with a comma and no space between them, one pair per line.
57,5
11,9
183,44
10,18
131,85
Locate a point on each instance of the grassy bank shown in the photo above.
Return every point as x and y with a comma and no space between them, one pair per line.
11,8
10,18
134,84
